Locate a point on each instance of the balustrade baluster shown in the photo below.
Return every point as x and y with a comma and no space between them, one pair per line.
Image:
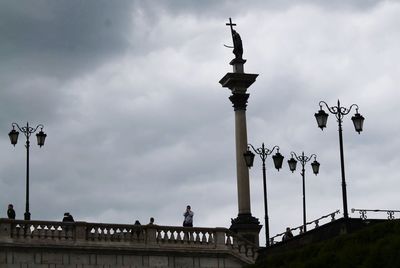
167,236
193,235
228,240
18,230
204,238
210,238
158,236
235,244
140,234
45,232
198,237
178,236
34,230
186,237
125,234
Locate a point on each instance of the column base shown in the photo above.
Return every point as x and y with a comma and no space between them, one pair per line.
247,226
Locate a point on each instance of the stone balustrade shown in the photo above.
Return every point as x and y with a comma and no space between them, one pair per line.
124,236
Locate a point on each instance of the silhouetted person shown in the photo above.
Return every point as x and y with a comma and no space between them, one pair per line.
188,221
138,230
288,234
151,221
68,217
11,212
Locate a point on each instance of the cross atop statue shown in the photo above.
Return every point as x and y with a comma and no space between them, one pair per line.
231,24
237,41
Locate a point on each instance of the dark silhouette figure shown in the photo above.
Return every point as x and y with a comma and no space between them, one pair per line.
11,212
288,234
151,221
137,228
68,217
188,221
237,45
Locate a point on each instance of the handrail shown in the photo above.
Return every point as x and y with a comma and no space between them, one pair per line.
363,212
300,228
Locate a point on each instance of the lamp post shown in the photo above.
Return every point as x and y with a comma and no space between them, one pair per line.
278,159
41,136
303,159
358,121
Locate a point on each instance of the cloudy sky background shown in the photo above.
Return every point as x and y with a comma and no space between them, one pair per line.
138,125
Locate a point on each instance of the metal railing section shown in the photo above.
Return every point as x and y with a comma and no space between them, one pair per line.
299,229
363,212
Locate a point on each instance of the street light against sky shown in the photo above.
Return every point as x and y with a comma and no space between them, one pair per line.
358,121
278,159
303,159
27,131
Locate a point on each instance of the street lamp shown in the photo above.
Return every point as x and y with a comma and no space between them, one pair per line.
41,136
315,167
278,159
358,121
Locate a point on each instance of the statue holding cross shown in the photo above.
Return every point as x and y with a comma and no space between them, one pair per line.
237,41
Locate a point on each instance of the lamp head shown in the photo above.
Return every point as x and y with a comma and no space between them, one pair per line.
13,136
278,160
292,164
358,121
322,118
41,137
315,166
249,157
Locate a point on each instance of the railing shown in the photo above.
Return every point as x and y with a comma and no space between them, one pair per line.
124,235
363,212
299,229
40,230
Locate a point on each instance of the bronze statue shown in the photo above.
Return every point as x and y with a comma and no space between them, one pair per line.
237,45
237,41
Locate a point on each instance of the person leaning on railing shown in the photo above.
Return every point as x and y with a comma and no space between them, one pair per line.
288,234
11,212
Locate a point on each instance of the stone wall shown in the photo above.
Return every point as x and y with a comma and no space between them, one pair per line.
31,244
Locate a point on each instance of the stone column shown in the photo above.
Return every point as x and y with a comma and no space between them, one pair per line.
238,82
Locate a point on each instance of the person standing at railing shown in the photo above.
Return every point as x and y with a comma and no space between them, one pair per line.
288,234
11,212
68,217
188,221
151,221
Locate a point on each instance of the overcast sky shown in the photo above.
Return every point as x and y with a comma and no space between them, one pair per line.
138,125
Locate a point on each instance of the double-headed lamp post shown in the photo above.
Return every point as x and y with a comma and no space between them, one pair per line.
358,121
303,159
278,160
41,136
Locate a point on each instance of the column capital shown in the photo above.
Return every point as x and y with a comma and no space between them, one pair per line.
238,82
239,101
